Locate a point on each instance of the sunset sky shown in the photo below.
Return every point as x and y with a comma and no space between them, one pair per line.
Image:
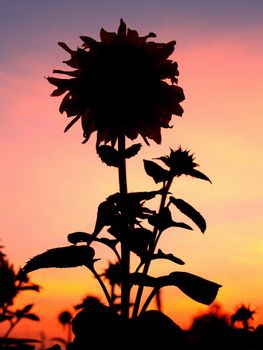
51,184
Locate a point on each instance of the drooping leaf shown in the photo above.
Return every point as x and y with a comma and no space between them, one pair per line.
132,150
161,255
199,175
62,257
191,212
197,288
154,170
163,220
109,155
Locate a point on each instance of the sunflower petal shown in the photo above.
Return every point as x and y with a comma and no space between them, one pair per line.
73,121
107,37
65,47
89,42
122,29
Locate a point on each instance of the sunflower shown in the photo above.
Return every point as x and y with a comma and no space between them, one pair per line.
181,162
121,85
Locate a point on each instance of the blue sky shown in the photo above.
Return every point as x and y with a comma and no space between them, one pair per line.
22,22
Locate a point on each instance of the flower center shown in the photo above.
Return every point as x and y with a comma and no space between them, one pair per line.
122,86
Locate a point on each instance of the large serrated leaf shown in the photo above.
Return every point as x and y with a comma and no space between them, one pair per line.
62,257
154,170
191,212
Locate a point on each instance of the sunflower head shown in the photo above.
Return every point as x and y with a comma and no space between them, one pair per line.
180,162
65,317
113,273
122,85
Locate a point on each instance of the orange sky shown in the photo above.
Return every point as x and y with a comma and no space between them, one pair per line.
51,184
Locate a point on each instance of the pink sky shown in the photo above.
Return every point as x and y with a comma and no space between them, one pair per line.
51,184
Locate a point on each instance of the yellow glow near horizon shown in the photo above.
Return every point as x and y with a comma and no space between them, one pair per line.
52,184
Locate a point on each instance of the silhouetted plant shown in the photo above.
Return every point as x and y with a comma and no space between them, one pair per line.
65,318
215,329
125,86
243,314
12,284
113,275
210,327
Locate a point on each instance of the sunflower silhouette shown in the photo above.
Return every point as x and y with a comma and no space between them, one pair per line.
121,85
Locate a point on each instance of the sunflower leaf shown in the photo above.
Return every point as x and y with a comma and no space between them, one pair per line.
191,212
140,279
138,240
27,308
163,220
62,257
32,317
154,170
105,214
199,175
197,288
161,255
132,150
80,237
109,155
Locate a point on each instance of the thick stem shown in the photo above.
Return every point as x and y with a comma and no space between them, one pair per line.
166,187
125,252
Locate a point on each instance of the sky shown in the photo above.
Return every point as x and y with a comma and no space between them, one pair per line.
51,184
